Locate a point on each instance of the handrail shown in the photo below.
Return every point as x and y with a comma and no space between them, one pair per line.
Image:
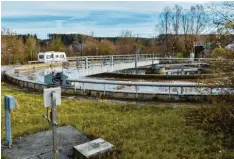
140,83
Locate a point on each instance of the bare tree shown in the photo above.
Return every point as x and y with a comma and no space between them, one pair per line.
164,25
125,42
185,29
222,16
176,17
198,19
201,19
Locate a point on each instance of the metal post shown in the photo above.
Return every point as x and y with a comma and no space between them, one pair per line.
153,59
136,90
104,61
111,61
86,63
169,92
83,87
9,103
136,61
54,125
77,62
104,89
7,123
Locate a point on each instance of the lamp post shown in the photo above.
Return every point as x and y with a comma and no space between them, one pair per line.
81,43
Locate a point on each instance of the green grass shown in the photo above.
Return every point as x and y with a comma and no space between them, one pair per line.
137,132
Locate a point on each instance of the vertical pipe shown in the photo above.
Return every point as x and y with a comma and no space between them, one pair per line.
54,124
7,121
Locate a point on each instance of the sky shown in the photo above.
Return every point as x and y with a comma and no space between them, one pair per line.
103,19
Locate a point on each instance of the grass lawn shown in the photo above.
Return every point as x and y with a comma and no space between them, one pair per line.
137,132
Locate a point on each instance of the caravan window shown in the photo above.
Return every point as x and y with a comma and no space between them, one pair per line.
48,56
41,56
61,56
57,56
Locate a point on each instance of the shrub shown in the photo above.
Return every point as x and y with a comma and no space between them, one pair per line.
179,55
219,52
106,47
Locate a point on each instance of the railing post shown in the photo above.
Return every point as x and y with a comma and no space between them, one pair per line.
104,90
169,92
111,60
83,87
86,63
153,59
77,62
136,90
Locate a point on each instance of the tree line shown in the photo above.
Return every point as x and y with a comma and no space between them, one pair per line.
178,30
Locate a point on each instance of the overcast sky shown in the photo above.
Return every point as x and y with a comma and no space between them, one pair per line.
101,18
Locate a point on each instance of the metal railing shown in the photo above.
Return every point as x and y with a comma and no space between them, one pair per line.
128,58
147,87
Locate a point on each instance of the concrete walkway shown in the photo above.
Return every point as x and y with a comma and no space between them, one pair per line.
39,145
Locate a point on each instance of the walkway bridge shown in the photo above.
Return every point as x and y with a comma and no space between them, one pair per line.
89,65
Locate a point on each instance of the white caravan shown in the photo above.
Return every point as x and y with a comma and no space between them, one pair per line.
52,56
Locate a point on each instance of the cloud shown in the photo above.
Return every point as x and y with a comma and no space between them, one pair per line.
73,7
104,18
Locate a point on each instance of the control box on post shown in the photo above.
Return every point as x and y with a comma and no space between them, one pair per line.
52,98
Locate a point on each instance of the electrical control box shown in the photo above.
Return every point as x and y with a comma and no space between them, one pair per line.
48,96
10,102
